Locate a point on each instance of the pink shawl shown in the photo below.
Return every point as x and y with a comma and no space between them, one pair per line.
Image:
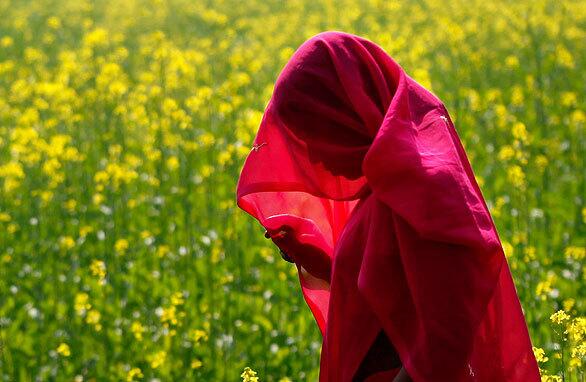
344,123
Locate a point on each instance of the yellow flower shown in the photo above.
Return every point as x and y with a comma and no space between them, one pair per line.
66,242
282,276
516,176
564,57
114,174
93,318
508,249
206,139
6,41
507,152
169,316
157,359
574,362
54,22
576,253
544,287
135,372
196,364
520,131
249,375
541,162
197,335
172,163
511,61
539,354
559,317
225,279
163,250
577,117
98,268
193,103
529,252
5,217
169,106
137,330
63,349
224,157
12,228
517,97
216,254
81,303
206,170
13,173
97,37
121,245
98,198
84,230
577,332
568,304
177,298
70,205
568,99
32,55
550,378
519,237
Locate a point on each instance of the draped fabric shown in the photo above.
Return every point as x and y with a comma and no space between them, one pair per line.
358,175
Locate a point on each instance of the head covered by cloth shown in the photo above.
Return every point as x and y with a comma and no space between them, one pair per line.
327,106
344,121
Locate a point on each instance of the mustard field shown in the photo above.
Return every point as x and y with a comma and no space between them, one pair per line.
123,129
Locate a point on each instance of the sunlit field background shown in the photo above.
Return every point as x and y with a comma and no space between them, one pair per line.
123,128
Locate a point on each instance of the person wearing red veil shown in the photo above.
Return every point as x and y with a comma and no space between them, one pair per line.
358,176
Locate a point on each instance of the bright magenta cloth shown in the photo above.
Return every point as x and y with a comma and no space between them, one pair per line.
358,174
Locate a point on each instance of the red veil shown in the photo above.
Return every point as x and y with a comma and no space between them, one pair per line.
344,121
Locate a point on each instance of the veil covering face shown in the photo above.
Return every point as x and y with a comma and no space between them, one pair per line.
346,123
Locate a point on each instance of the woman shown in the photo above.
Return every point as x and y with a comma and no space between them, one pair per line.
359,177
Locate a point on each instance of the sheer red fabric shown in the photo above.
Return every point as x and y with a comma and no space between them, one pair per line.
358,174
